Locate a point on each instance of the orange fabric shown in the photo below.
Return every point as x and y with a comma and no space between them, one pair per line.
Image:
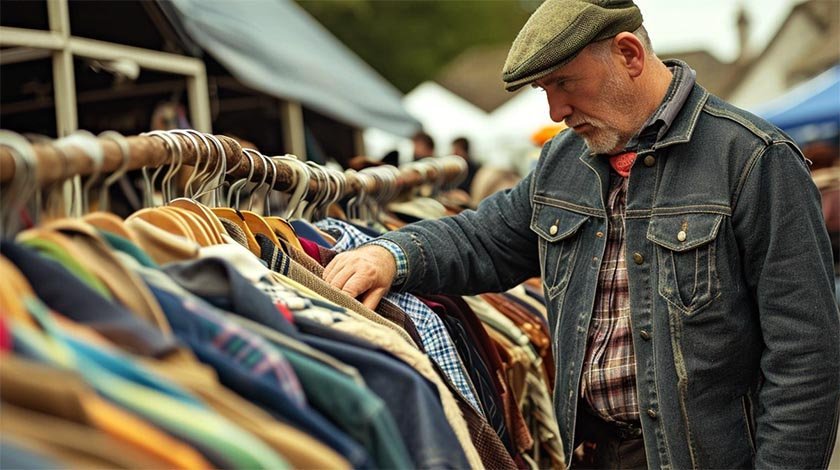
134,431
546,133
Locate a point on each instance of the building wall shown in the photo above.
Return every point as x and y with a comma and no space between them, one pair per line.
768,78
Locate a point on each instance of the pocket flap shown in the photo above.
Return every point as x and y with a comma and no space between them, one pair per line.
553,223
681,232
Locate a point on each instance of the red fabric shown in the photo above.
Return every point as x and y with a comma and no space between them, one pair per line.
284,310
311,249
622,163
5,336
438,307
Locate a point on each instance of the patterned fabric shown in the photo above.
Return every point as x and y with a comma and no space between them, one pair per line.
433,333
608,383
248,349
234,231
399,258
386,309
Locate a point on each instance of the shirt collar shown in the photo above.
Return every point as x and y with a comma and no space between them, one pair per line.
660,121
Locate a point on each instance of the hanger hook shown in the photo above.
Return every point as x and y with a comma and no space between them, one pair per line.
238,185
267,205
24,182
125,155
196,166
259,157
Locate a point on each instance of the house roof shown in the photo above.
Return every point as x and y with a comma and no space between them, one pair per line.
476,76
714,75
824,14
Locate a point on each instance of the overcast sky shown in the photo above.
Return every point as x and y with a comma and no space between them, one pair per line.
677,25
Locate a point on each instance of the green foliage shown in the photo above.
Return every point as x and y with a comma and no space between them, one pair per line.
409,41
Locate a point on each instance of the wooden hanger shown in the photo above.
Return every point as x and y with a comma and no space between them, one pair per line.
163,221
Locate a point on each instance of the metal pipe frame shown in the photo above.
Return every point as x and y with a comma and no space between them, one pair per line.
64,47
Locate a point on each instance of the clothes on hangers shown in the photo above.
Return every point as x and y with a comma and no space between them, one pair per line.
191,337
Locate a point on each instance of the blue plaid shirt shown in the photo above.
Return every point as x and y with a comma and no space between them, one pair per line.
433,334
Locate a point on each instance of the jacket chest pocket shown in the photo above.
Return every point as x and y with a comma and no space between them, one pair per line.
685,253
558,244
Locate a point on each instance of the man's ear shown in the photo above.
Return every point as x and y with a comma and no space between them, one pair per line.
632,52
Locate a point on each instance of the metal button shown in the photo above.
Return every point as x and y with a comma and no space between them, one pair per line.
652,413
681,235
650,160
553,230
599,234
645,335
638,258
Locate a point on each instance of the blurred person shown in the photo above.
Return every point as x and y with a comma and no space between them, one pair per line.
461,147
684,257
424,145
489,180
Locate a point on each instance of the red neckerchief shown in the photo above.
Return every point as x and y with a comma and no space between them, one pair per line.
623,162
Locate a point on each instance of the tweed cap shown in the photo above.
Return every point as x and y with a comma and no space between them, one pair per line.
558,30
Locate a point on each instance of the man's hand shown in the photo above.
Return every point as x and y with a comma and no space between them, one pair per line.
365,273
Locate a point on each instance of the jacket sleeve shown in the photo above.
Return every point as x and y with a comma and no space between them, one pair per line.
786,259
490,249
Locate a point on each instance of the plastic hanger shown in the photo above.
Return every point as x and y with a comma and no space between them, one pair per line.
161,219
24,183
204,223
233,214
106,220
252,220
213,225
279,225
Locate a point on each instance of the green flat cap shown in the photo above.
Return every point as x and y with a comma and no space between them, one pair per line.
558,30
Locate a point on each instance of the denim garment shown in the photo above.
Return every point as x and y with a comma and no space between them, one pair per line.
411,400
730,279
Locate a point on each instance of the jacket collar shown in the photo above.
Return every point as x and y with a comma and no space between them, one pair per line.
686,120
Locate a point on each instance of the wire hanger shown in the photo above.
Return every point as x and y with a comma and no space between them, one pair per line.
23,183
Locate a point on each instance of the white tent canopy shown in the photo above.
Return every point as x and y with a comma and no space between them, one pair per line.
444,115
502,138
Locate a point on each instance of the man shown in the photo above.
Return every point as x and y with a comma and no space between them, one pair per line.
685,262
461,147
424,145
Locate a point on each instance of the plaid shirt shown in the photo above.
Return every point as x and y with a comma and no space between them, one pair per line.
433,334
608,383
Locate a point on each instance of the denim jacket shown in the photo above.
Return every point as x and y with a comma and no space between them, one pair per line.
735,327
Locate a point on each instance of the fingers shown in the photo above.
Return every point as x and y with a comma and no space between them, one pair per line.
362,273
373,297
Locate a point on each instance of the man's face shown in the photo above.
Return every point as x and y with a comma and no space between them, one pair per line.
595,99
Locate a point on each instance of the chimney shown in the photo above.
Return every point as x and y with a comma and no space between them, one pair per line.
743,34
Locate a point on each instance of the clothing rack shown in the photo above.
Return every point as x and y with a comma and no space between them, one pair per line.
55,163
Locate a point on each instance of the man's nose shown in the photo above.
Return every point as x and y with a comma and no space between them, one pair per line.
558,106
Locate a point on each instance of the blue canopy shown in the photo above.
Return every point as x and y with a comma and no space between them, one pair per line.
810,111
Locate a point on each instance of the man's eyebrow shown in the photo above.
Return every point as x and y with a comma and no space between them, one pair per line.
550,79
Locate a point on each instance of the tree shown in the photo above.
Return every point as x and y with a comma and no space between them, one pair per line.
409,41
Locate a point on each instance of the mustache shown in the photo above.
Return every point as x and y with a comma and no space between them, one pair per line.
575,122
